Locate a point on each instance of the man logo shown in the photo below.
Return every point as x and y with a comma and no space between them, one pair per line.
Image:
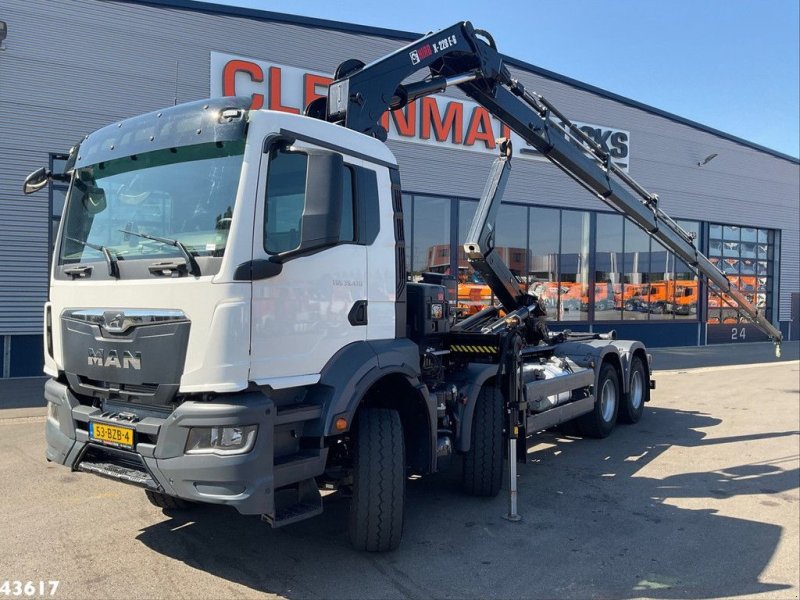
130,360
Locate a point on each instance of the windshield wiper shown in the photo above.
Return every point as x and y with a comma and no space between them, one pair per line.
194,268
111,260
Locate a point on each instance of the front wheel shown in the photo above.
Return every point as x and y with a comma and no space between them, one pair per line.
632,407
379,479
600,422
483,463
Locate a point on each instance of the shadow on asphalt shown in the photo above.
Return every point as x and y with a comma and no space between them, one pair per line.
594,525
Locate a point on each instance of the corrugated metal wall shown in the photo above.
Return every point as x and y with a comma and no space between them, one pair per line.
74,66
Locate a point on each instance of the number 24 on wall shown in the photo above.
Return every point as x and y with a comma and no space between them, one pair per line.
738,334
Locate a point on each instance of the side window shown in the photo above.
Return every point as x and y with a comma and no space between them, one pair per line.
347,231
286,198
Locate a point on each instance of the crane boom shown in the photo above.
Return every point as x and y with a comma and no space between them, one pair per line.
467,58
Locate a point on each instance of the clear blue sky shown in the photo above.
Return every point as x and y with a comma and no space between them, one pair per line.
730,64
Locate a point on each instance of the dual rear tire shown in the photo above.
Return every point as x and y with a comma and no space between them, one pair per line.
611,404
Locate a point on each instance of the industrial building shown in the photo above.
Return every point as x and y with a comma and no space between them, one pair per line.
98,61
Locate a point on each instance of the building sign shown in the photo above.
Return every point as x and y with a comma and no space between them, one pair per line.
435,120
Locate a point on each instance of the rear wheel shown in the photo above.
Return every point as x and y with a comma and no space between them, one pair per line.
600,422
379,478
483,464
168,503
632,407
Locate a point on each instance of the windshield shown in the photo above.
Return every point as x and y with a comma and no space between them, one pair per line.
186,194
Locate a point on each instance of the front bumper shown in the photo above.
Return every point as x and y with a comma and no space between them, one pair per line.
245,481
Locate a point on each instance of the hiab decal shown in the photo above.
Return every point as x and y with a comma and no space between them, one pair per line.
434,120
420,54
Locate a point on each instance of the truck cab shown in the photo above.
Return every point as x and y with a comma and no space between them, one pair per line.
213,266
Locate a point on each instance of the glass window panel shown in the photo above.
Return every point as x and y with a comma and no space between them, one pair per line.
762,235
715,248
431,243
59,195
715,232
730,232
692,227
662,284
543,237
761,250
512,239
730,266
686,293
346,231
608,268
747,266
636,267
407,230
761,268
730,249
58,164
687,285
473,293
574,276
749,234
748,249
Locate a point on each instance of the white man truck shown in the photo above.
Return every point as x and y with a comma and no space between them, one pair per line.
229,319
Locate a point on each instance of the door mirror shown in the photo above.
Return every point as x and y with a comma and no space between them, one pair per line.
322,214
36,181
304,201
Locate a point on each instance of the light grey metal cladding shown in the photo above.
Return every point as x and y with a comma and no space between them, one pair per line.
122,58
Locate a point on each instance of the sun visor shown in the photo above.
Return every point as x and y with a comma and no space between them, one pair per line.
212,120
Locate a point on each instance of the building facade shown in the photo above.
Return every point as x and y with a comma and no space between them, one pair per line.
95,62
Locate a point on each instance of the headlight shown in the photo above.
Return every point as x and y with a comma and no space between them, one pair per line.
236,439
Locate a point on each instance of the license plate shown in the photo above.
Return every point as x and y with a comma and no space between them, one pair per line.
111,434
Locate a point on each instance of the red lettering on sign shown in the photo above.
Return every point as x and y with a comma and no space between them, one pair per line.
275,92
229,79
451,126
310,83
405,120
480,128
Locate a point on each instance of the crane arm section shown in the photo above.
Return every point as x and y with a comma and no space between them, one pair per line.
467,58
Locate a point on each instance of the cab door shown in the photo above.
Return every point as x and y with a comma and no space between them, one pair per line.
310,310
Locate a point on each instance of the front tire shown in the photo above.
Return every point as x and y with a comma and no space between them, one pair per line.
379,478
632,407
600,422
483,463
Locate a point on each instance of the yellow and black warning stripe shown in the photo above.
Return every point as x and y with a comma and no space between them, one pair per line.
463,348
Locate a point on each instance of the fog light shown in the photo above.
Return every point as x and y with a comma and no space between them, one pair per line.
236,439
